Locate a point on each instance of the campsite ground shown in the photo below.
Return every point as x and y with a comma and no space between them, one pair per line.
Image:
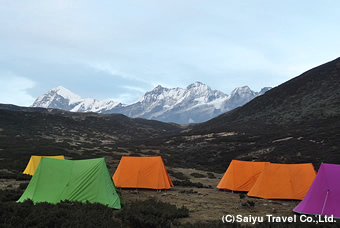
204,204
210,204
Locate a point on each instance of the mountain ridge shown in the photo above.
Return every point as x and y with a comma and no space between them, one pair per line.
313,95
295,122
196,103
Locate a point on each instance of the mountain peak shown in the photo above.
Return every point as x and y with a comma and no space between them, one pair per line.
158,88
60,88
241,90
196,85
62,91
264,90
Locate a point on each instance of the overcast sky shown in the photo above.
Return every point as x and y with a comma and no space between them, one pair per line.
118,50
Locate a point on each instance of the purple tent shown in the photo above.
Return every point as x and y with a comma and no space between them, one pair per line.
323,196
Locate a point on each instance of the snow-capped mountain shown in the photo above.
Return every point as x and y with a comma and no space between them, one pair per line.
62,98
196,103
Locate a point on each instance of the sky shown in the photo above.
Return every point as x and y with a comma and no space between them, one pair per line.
119,50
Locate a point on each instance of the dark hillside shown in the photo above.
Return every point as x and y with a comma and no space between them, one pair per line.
109,123
310,97
30,131
298,121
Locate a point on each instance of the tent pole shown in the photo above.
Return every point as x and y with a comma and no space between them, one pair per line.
324,204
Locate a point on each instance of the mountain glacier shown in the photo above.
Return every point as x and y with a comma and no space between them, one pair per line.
194,104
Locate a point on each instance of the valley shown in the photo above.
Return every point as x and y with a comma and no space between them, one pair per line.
296,122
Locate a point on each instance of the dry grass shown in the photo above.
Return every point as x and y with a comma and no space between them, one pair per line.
10,184
210,204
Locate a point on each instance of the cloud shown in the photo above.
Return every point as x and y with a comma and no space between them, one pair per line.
125,98
14,89
129,97
122,49
133,88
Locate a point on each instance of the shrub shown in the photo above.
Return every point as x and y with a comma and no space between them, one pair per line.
6,175
9,195
22,176
197,175
151,213
188,183
23,186
191,191
178,175
251,203
63,214
211,175
134,154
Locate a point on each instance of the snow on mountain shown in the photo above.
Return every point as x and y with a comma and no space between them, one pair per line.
197,103
162,100
63,98
244,91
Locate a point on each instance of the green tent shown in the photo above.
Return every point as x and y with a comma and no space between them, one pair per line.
83,180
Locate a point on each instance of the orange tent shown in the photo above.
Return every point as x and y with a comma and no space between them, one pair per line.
34,162
142,172
283,181
241,175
